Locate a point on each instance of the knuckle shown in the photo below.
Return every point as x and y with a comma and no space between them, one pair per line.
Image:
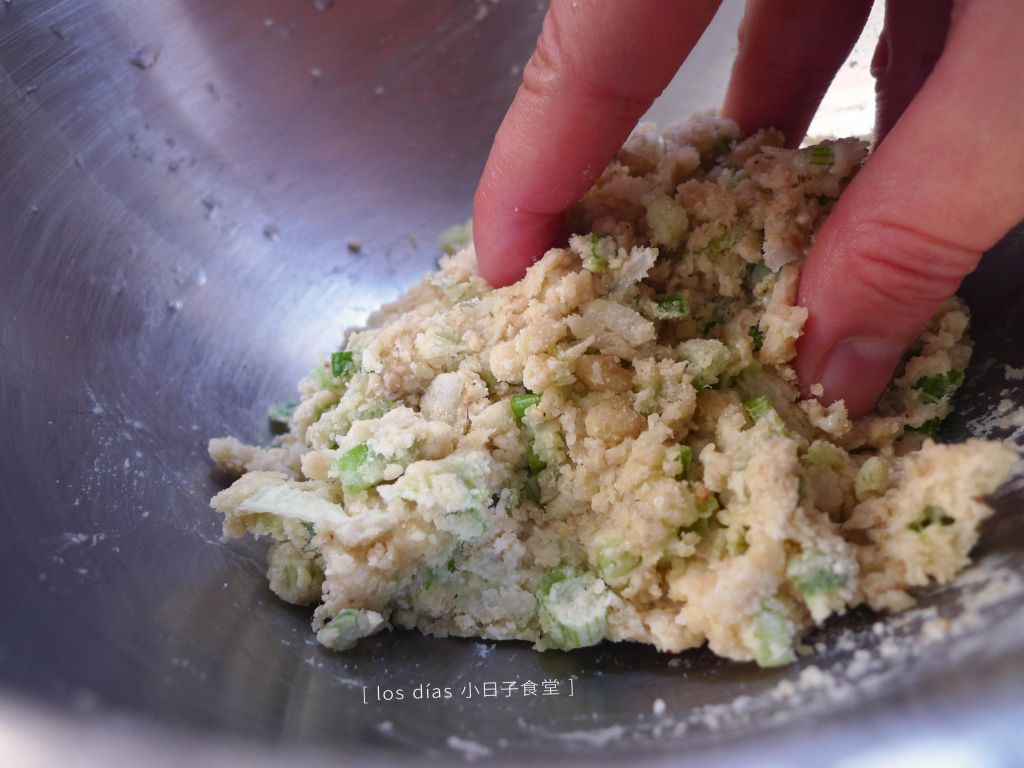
907,268
547,60
790,70
789,64
559,69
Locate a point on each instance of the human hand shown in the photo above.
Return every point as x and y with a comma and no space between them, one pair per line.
944,184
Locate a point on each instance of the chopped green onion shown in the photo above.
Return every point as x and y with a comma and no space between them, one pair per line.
736,541
573,613
928,428
714,314
289,576
519,404
359,468
531,487
429,578
931,515
822,453
722,242
615,564
939,387
705,360
456,237
667,221
682,455
685,456
759,272
322,378
348,627
468,524
754,382
756,336
533,459
280,416
595,261
813,574
702,527
341,364
872,479
707,506
460,292
820,155
758,407
772,632
672,307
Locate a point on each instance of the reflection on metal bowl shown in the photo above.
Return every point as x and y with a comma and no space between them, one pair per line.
178,182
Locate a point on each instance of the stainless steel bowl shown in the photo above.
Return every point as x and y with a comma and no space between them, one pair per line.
178,184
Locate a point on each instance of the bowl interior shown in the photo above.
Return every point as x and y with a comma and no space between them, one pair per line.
179,183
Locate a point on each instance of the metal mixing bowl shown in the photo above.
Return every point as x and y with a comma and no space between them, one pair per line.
178,183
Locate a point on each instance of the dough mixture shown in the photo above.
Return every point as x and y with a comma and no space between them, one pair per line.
614,448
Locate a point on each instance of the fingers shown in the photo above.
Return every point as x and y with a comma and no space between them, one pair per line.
911,42
789,52
944,185
596,70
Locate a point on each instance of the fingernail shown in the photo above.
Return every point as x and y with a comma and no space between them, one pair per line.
858,369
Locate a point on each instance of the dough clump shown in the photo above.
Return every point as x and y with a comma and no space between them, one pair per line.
614,447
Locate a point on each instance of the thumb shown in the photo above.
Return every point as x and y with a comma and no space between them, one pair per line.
945,185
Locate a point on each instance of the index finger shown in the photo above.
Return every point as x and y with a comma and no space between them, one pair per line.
597,68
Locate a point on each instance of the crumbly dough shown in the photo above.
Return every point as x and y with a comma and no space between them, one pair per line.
614,447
